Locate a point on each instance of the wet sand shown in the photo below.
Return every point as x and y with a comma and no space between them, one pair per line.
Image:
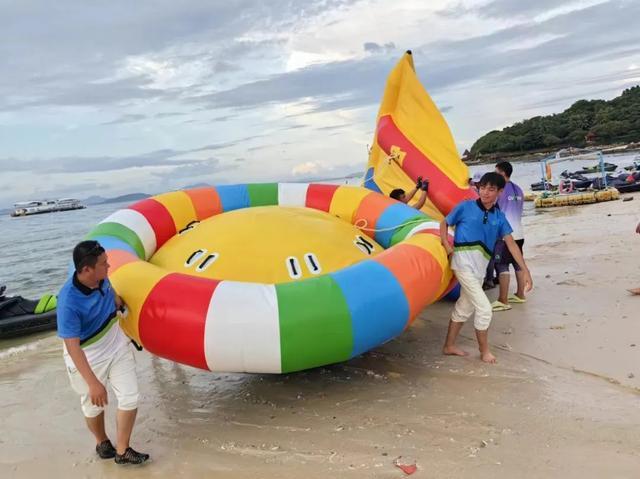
561,402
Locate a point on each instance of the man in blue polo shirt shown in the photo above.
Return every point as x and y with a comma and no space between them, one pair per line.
97,352
478,224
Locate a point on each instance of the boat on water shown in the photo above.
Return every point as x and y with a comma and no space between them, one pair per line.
27,208
20,316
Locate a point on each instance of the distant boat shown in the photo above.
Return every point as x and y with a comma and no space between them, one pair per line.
27,208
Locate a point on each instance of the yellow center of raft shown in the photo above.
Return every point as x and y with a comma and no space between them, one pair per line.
268,244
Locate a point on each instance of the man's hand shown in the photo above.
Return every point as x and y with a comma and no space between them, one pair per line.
448,248
98,394
119,302
638,229
444,237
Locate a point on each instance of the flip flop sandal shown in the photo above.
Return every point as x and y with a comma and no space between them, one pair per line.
514,298
498,306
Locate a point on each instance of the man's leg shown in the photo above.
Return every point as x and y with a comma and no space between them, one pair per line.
505,278
462,311
96,426
520,283
450,347
93,415
125,421
483,345
483,313
503,259
519,273
124,383
489,282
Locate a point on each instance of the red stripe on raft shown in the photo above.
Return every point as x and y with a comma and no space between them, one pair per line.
444,194
158,217
173,317
319,196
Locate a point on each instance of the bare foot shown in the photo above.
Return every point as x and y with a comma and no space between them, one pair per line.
635,291
454,351
488,358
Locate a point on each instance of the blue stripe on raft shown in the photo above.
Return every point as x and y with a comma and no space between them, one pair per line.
233,197
387,309
391,220
111,242
369,183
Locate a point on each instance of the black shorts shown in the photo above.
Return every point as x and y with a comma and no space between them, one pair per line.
503,257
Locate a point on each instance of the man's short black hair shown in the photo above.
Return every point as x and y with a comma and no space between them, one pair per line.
86,253
397,193
492,179
505,167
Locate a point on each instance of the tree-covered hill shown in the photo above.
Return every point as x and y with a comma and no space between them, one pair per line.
593,122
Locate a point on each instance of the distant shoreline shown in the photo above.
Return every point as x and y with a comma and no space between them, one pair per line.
534,156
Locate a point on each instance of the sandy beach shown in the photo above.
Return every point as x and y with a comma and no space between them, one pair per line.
561,402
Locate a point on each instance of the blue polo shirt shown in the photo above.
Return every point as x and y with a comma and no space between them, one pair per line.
90,314
476,232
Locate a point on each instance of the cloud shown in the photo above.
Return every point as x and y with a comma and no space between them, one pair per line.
128,118
82,164
373,47
200,169
75,60
306,168
510,9
444,64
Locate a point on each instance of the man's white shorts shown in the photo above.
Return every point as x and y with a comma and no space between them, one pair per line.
119,372
473,301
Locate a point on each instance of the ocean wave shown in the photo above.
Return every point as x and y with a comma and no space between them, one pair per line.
21,349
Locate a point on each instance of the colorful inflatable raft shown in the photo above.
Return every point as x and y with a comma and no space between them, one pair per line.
271,278
413,139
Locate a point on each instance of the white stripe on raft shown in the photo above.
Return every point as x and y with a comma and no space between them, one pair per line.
136,222
292,194
242,330
427,225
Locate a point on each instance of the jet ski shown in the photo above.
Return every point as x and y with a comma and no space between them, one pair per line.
540,186
20,316
596,168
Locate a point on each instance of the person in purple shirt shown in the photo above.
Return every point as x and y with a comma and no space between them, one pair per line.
510,202
635,291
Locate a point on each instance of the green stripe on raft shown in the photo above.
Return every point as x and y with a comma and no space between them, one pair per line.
121,232
404,230
263,194
315,325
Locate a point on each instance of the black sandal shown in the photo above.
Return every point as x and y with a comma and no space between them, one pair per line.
131,457
106,450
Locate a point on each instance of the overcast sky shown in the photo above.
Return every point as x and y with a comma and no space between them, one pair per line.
151,96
